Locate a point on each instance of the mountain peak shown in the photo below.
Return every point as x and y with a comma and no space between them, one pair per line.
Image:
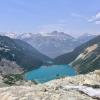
87,35
57,34
9,34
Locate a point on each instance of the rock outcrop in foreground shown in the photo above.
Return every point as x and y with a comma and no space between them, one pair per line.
81,87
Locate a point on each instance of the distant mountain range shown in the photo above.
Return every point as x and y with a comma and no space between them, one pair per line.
16,53
51,44
84,58
55,43
21,56
85,37
9,34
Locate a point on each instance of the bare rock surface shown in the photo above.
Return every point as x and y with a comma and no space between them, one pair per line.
68,88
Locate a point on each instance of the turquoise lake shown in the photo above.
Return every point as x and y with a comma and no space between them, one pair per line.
47,73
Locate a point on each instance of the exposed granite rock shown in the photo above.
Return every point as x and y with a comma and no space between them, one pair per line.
9,67
53,90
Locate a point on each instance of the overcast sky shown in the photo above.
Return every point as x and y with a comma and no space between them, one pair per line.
72,16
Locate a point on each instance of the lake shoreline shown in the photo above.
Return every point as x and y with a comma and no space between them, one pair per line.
47,73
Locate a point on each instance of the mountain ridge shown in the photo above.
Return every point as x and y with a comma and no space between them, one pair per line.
83,49
54,43
22,53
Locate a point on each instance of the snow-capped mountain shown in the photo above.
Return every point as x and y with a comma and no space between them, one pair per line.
86,37
51,44
9,34
55,43
24,35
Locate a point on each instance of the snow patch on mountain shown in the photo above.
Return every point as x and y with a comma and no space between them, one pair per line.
9,34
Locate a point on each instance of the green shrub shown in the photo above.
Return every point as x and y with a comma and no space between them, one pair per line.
11,79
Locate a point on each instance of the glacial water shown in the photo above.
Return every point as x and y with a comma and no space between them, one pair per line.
47,73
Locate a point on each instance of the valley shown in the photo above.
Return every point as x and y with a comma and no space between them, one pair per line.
49,49
24,67
19,57
51,44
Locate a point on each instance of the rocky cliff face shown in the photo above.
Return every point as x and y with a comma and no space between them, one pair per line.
21,53
9,67
84,58
88,60
69,88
